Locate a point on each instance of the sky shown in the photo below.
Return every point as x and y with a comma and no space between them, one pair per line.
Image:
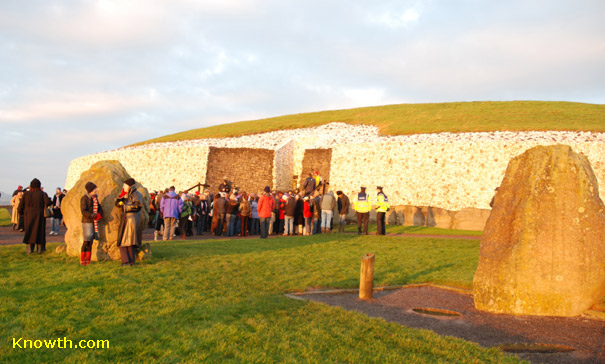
81,77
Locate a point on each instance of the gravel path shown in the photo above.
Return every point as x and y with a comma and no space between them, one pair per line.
587,335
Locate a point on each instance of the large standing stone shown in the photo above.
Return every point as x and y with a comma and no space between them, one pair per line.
543,247
109,176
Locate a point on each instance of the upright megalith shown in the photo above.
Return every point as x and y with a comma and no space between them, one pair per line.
543,247
109,176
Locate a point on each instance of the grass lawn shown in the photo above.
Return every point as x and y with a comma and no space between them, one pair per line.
425,118
424,230
5,217
223,301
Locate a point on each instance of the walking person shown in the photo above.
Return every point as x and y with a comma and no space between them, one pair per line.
343,210
170,207
55,220
32,207
130,232
265,208
328,203
382,206
362,207
92,212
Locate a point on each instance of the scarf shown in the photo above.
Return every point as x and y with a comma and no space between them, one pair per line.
95,209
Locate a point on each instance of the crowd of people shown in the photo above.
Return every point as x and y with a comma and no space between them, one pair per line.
231,212
227,212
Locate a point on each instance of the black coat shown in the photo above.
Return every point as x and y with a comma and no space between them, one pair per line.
298,214
290,207
57,211
32,207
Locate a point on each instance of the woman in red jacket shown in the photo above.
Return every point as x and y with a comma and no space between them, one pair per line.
308,215
265,207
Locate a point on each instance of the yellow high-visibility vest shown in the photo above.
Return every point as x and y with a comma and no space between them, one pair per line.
382,201
362,203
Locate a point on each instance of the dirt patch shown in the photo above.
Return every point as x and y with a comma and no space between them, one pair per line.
586,335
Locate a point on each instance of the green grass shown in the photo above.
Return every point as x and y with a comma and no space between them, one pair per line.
425,118
421,230
5,217
222,301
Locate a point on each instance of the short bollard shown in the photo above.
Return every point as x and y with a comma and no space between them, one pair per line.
366,280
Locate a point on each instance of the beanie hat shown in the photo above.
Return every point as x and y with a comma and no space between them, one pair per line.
130,182
267,189
90,187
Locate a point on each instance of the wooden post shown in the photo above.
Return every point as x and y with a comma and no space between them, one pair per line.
366,280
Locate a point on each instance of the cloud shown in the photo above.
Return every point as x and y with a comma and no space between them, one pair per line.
396,19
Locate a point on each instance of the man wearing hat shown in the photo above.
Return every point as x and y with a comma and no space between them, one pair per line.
362,206
130,233
382,206
92,212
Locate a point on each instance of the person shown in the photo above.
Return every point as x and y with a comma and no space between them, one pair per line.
159,218
299,219
55,220
170,207
32,207
382,203
281,227
309,184
362,207
92,212
254,219
289,212
316,208
202,210
186,211
491,203
231,216
328,202
265,209
225,186
130,232
318,182
244,211
221,211
308,215
343,210
15,201
273,224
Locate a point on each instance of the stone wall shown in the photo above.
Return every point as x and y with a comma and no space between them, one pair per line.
250,169
157,168
452,175
316,160
444,170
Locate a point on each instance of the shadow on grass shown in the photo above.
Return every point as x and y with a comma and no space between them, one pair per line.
179,249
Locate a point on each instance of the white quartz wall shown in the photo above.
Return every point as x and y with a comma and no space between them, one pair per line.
283,166
450,175
446,170
156,169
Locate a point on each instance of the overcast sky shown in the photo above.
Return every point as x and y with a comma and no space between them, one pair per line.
79,77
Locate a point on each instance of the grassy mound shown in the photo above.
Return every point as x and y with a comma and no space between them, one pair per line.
222,301
425,118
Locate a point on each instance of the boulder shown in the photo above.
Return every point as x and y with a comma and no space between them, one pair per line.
542,250
109,176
